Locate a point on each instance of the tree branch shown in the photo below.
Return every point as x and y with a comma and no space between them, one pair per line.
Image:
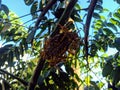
15,77
36,74
41,62
45,10
66,14
87,25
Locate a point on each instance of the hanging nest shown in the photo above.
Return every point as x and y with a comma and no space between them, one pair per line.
57,48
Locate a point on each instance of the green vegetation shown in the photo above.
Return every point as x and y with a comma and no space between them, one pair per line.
62,34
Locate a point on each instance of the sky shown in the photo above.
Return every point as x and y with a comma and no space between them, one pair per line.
19,7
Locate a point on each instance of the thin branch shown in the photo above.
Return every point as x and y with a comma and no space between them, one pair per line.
45,10
36,74
41,61
15,77
24,15
87,25
66,14
86,28
28,21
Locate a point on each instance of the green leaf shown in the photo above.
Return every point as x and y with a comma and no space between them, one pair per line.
116,55
76,18
117,43
93,50
104,47
98,7
108,58
105,10
108,32
74,84
28,2
116,15
30,37
116,75
111,43
118,1
17,54
100,2
40,5
24,41
96,15
5,9
77,6
94,84
40,80
57,79
34,8
64,76
77,77
111,25
69,70
21,49
3,59
87,80
118,11
46,74
98,24
101,84
107,69
10,60
114,21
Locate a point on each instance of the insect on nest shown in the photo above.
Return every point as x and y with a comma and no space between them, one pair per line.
56,48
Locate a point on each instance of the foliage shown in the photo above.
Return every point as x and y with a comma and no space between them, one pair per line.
19,40
11,31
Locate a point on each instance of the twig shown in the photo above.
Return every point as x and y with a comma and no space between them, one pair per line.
15,77
87,25
45,10
24,15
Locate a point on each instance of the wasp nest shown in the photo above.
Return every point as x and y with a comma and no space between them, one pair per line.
57,48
